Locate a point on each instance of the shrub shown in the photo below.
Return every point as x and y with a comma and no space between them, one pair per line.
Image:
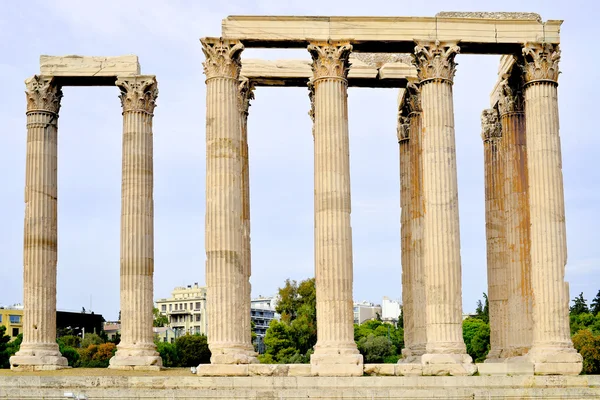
69,341
168,353
588,345
192,350
375,349
91,338
70,354
96,356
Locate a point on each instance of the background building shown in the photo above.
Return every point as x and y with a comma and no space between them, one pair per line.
186,310
262,312
390,310
12,318
365,311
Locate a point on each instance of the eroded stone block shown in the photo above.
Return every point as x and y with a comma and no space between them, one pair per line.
86,66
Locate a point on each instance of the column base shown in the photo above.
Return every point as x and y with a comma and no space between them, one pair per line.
555,361
38,357
448,364
505,368
336,362
494,356
233,355
136,357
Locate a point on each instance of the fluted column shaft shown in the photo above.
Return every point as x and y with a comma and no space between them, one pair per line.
333,232
407,251
225,273
246,93
551,335
495,228
518,257
441,240
137,348
39,348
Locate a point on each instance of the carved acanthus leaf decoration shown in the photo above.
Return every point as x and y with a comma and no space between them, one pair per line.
245,94
403,129
330,59
43,94
511,97
311,97
412,98
491,127
222,58
138,93
541,62
435,60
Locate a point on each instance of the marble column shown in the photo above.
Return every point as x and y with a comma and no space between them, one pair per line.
39,350
552,351
495,229
445,350
516,204
403,132
246,93
137,349
225,272
335,352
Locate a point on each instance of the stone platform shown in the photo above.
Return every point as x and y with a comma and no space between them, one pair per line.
181,384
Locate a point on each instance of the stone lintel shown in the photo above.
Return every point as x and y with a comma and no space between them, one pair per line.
73,70
477,35
298,72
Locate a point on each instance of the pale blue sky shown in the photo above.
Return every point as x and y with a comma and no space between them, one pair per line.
165,37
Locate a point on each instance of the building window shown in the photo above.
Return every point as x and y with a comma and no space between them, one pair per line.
197,330
198,317
15,331
15,319
176,305
185,306
0,318
197,305
164,308
191,306
170,307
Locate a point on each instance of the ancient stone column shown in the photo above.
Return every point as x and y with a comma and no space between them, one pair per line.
137,349
246,93
335,352
39,350
404,138
552,351
226,279
416,208
446,351
495,229
516,203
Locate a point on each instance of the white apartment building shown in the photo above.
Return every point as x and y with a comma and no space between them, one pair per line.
365,311
186,310
390,310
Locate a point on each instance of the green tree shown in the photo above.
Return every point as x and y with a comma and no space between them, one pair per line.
14,346
69,341
192,350
595,309
288,301
376,328
476,334
4,339
375,349
96,355
579,305
483,309
588,345
168,353
91,338
159,319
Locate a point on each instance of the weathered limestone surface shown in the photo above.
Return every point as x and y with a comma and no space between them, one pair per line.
335,352
552,351
518,257
39,350
399,33
137,348
495,227
226,279
86,66
161,386
490,15
365,71
445,350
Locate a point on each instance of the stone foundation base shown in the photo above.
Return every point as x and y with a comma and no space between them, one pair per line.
336,364
556,361
505,369
136,363
38,363
448,364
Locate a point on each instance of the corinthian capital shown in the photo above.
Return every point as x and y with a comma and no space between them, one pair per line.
541,62
245,94
330,59
222,58
138,93
511,97
491,128
403,129
412,99
435,60
43,94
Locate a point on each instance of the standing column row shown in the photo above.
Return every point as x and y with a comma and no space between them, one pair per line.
137,349
227,270
335,353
